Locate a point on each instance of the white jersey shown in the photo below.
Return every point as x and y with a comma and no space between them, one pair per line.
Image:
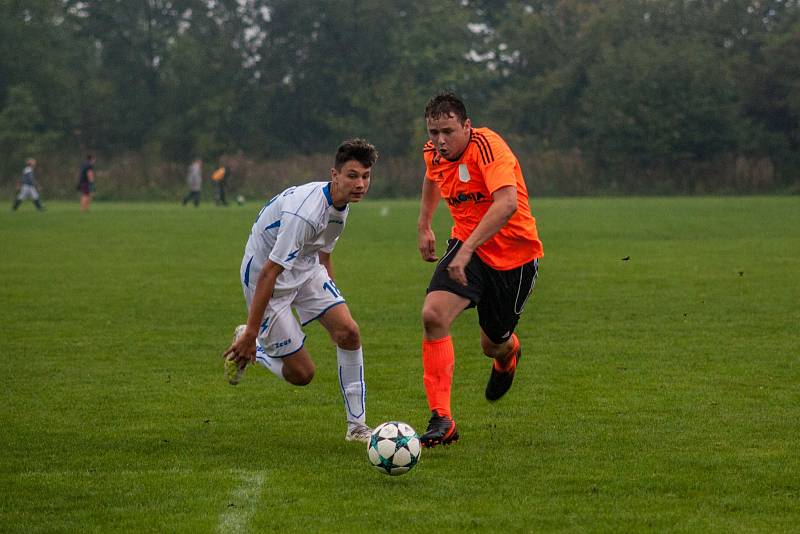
291,230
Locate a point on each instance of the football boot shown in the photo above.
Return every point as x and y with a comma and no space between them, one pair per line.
358,432
441,431
234,373
500,381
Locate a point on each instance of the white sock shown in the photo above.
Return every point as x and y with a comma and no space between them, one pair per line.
351,380
274,365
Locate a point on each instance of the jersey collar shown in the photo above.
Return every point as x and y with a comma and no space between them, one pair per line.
327,191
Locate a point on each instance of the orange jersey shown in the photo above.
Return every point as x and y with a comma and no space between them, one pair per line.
486,165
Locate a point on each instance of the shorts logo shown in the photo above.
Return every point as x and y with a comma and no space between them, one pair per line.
463,173
280,344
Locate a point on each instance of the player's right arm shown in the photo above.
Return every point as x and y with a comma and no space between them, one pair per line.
426,239
244,348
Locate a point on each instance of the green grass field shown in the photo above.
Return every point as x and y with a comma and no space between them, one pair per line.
658,393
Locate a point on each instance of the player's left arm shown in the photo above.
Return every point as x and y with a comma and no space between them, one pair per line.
325,260
504,205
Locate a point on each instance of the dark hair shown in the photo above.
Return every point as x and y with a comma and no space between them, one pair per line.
355,149
443,104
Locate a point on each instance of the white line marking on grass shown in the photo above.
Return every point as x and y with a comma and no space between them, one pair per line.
241,503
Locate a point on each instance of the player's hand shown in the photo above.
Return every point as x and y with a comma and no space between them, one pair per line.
427,245
243,350
456,267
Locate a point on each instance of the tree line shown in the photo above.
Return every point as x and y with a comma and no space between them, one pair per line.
614,95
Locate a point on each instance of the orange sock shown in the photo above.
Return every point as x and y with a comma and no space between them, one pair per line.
512,361
438,361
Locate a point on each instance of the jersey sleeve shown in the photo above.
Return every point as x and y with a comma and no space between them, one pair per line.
498,170
293,232
329,248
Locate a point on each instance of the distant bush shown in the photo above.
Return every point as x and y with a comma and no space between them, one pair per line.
140,176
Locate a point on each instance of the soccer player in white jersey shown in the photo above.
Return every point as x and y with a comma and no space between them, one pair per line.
287,264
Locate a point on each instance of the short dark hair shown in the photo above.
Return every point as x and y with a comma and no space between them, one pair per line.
443,104
355,149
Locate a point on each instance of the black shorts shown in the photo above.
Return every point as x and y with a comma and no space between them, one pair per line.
500,296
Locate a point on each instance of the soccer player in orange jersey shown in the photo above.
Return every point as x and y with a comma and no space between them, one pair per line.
491,261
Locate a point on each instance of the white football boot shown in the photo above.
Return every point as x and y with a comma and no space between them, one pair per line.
234,373
358,432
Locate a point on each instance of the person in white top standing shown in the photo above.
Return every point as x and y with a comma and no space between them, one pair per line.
28,187
287,264
194,179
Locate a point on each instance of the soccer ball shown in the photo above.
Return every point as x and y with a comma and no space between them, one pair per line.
240,199
393,448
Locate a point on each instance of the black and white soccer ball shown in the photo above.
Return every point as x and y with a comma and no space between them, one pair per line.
394,448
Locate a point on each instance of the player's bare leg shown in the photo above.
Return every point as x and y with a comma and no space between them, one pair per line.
299,368
439,311
342,327
345,334
502,352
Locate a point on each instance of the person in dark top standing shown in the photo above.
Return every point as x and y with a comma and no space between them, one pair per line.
27,187
86,182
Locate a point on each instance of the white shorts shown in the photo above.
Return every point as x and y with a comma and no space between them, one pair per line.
28,191
281,334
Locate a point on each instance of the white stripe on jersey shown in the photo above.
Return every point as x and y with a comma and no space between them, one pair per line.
291,230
